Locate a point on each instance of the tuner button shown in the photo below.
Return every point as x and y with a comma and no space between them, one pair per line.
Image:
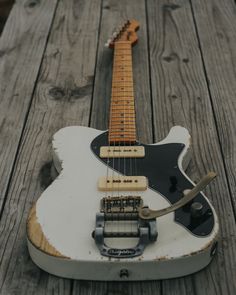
196,210
107,44
115,34
120,28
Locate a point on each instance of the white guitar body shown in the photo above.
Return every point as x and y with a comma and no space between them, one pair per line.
65,216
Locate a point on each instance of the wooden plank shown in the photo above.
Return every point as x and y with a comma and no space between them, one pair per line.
217,38
116,288
62,97
21,48
181,97
218,43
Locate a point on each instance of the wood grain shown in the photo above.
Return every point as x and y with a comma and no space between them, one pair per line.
37,237
191,46
5,8
218,45
181,97
21,49
62,97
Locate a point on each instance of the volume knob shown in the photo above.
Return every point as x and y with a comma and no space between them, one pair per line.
196,210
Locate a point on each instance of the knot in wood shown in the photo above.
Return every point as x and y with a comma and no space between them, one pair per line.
57,93
170,7
32,3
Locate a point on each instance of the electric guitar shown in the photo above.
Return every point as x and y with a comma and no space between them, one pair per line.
120,209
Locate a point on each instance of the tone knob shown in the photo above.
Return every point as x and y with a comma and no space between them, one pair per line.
196,210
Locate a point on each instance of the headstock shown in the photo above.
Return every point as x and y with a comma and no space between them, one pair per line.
126,32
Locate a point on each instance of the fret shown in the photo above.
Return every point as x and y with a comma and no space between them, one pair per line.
123,57
123,117
122,127
123,104
122,82
134,129
118,130
122,90
126,126
123,113
123,87
122,96
122,54
117,134
115,129
122,140
123,110
119,48
121,66
122,99
122,76
116,101
126,121
122,137
124,71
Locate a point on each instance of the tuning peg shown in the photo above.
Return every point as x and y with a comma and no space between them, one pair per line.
115,34
120,28
107,44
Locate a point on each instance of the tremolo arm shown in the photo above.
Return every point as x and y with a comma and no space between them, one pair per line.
146,213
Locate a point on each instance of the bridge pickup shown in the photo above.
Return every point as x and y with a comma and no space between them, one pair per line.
123,183
122,151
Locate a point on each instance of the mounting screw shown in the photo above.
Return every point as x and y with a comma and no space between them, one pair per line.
214,249
145,211
124,273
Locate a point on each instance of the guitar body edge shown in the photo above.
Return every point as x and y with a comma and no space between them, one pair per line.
111,271
42,239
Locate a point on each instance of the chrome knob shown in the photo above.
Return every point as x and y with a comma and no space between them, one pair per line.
196,210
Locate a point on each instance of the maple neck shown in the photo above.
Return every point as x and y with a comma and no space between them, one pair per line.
122,127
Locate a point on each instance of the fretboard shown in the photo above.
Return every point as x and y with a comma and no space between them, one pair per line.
122,127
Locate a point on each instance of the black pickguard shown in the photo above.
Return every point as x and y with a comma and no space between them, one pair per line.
160,166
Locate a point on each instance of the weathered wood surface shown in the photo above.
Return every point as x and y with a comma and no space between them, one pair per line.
218,46
183,68
22,45
5,8
62,97
180,86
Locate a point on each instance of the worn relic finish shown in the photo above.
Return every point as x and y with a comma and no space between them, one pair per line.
57,213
